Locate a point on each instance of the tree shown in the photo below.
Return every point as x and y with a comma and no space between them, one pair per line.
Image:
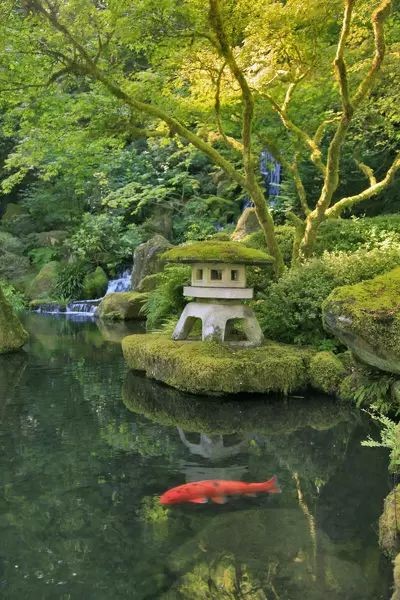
208,75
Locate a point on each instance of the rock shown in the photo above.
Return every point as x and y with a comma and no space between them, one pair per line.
54,237
247,224
149,283
95,284
211,368
326,372
389,523
122,306
396,577
147,259
12,335
43,284
13,266
366,318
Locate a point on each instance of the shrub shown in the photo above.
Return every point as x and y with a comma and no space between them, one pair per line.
70,280
41,256
167,299
289,310
13,296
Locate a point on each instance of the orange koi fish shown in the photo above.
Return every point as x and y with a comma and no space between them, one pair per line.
217,490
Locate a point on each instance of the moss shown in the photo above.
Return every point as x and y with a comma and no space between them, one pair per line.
43,284
366,317
396,577
122,306
205,415
204,367
12,335
217,251
12,211
95,284
389,523
150,282
326,372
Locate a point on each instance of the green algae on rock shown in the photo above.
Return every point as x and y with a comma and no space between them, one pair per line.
326,372
366,317
389,524
211,368
122,306
217,251
12,335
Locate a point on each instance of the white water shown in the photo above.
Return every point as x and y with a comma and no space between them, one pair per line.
121,283
88,307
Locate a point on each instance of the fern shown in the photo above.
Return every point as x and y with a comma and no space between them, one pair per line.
390,438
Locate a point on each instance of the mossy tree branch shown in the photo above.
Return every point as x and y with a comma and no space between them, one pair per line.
331,179
88,66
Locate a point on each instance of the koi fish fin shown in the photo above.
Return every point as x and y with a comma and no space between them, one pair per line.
199,500
219,499
251,495
272,486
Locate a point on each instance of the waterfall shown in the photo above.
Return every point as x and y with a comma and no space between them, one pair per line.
87,308
121,283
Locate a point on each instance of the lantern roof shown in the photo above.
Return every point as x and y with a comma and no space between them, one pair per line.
212,251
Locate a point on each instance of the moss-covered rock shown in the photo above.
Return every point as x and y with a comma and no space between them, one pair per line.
43,284
95,284
217,251
122,306
10,243
148,259
12,335
366,317
150,282
12,211
246,225
211,368
389,523
326,372
396,578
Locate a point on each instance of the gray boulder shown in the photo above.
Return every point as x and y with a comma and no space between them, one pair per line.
147,259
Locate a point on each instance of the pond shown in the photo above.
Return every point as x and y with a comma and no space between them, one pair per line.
86,448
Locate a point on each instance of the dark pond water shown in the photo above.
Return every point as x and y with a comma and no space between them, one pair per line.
86,448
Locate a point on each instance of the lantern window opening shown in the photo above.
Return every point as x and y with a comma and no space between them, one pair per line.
199,274
216,274
234,275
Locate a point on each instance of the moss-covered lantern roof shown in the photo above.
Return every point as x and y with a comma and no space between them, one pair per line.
217,252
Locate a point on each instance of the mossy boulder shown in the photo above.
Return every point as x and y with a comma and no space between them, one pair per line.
95,284
396,577
150,282
210,368
326,372
389,523
122,306
44,283
217,252
366,318
12,335
247,224
148,259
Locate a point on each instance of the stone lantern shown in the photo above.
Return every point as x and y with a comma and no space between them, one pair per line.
219,287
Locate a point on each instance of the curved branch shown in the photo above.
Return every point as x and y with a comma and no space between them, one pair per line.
368,172
339,63
373,190
229,141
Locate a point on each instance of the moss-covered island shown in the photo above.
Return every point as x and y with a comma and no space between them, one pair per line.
212,368
12,335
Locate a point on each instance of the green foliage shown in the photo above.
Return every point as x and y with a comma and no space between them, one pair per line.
390,438
374,390
102,240
13,296
70,280
40,256
290,310
167,299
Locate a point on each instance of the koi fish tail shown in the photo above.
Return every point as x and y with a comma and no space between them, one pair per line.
271,486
